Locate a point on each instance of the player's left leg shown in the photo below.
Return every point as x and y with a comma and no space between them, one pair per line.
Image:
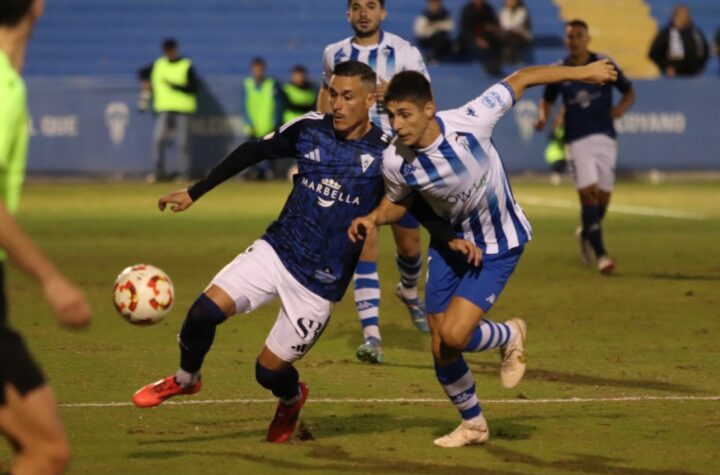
367,301
409,263
301,321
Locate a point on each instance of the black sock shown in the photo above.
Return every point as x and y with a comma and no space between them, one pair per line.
592,231
283,384
198,332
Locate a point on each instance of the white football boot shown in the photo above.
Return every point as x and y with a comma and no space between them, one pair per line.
465,434
512,355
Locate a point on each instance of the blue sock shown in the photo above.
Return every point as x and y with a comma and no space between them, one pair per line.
592,231
367,297
489,335
198,332
410,269
459,385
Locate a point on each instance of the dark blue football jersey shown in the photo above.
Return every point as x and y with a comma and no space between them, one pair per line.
587,107
338,181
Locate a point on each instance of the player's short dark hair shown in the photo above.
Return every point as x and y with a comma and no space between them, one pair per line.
299,68
354,68
258,61
409,86
12,11
577,23
169,44
381,2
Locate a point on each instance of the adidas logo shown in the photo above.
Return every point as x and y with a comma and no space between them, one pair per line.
300,348
364,305
491,299
313,155
461,398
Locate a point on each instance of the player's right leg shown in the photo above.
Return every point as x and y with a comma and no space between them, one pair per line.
367,301
243,285
33,424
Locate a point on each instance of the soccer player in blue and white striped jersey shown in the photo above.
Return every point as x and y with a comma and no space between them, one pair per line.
386,54
450,159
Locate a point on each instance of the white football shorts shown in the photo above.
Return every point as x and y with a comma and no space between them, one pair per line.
592,160
258,276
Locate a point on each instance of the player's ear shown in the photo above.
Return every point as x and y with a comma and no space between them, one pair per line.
383,15
429,109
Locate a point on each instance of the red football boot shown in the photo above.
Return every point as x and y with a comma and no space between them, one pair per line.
286,417
159,391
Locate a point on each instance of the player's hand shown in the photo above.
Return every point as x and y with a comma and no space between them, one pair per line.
472,253
180,201
380,90
67,301
540,122
601,72
361,227
616,112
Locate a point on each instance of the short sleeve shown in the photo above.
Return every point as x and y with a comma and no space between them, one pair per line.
622,83
327,66
484,111
415,62
551,92
396,188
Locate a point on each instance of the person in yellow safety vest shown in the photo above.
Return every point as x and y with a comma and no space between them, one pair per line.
299,93
172,84
555,150
263,107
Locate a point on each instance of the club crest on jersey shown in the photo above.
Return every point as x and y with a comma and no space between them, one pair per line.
366,160
407,169
329,192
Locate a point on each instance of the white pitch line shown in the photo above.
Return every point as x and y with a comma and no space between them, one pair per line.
614,208
407,401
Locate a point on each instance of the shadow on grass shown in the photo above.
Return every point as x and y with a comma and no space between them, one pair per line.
581,463
493,369
333,458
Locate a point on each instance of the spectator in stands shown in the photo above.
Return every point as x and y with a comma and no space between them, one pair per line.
172,83
299,94
516,31
479,34
433,29
263,111
680,49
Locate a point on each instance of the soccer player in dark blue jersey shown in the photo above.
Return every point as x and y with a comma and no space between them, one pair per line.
590,145
304,257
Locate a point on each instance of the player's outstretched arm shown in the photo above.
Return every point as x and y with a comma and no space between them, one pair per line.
180,201
598,73
67,301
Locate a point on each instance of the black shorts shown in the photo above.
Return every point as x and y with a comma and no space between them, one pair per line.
17,366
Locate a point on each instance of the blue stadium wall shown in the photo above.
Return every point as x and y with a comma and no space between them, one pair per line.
89,125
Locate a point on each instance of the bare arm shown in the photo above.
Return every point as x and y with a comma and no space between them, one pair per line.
66,300
543,114
323,100
628,99
598,72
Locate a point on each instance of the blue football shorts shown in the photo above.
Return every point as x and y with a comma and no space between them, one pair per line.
449,275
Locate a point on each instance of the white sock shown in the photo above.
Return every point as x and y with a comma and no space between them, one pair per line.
185,378
371,330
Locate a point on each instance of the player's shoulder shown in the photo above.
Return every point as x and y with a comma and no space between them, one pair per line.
377,139
311,119
396,153
333,48
397,42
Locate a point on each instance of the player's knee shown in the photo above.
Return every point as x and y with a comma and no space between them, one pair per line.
452,338
50,457
265,377
204,312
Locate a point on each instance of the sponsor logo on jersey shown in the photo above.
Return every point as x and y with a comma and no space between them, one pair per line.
325,276
491,99
468,194
330,192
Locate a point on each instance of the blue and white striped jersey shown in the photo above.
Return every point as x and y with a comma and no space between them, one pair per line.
390,56
461,175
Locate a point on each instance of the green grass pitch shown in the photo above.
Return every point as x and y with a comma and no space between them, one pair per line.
649,332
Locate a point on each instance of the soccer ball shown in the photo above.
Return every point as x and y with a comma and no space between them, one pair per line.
143,294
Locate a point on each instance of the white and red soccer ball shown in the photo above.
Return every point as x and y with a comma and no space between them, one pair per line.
143,294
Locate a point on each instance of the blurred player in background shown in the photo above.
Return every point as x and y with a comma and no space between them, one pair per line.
172,84
590,144
386,54
304,257
28,413
450,159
